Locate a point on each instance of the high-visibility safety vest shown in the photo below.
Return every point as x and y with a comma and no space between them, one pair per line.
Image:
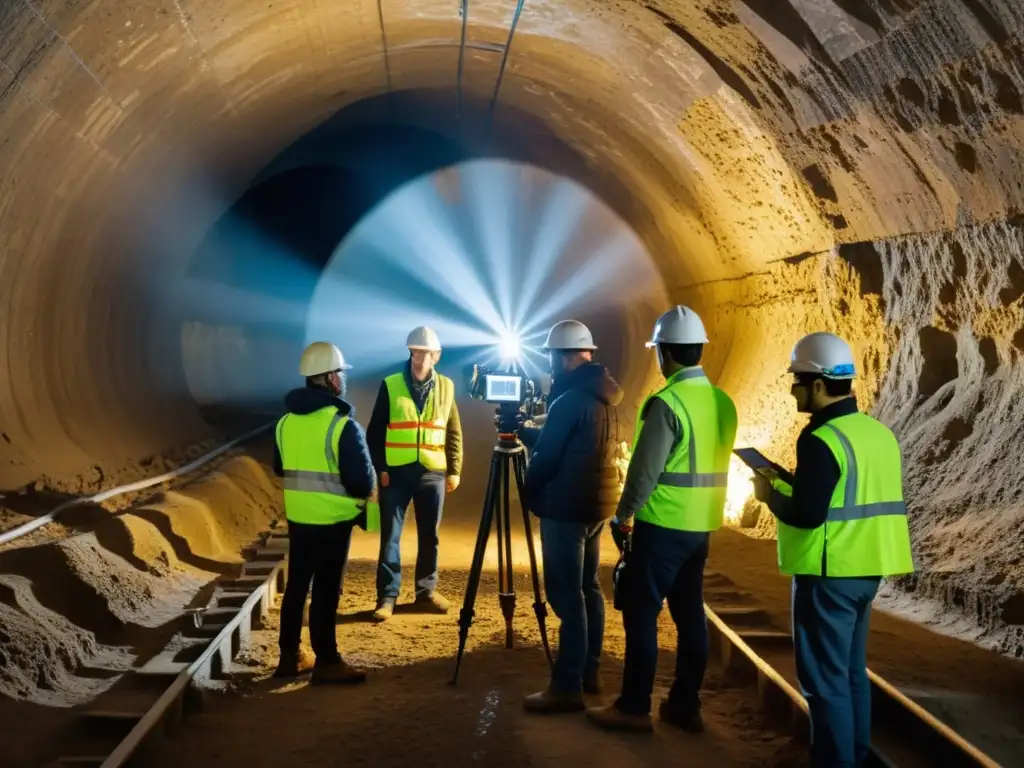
690,495
413,436
866,532
313,493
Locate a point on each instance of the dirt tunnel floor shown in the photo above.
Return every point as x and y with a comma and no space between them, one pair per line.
408,714
979,693
976,691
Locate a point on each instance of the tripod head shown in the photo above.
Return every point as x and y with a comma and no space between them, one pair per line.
508,418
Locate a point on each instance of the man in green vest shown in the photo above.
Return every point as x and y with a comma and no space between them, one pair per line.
842,527
415,440
675,491
329,489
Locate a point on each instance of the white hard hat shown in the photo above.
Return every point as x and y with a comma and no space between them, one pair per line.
569,335
680,325
825,354
321,357
423,338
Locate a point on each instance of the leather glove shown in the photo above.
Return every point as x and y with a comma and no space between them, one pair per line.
622,533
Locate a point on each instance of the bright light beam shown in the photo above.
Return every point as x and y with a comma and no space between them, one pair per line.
562,212
508,346
471,266
606,278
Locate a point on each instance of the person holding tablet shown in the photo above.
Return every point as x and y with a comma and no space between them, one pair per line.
842,527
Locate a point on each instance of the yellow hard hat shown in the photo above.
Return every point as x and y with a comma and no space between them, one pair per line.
321,357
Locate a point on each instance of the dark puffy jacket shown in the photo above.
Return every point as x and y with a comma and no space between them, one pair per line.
571,476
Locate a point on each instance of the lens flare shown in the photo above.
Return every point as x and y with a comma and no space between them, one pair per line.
490,269
509,347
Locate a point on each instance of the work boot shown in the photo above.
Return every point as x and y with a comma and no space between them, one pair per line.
592,685
611,718
689,721
432,603
552,701
294,663
385,609
336,672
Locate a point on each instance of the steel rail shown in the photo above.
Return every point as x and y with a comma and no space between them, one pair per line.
37,523
220,650
924,733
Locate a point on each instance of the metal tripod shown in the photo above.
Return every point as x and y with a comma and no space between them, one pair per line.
509,456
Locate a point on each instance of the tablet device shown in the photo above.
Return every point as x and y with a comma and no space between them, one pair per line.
756,460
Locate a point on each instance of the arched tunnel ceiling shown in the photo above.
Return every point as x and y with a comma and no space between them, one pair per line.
747,141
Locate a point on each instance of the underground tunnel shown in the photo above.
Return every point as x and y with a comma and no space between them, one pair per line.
178,175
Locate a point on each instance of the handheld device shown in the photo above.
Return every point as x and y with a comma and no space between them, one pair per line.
757,461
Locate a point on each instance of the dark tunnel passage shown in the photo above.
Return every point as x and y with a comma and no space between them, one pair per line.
789,166
272,245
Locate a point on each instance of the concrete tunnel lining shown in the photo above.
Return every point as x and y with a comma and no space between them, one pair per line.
776,157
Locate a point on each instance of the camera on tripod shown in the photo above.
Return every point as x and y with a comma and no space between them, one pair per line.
518,398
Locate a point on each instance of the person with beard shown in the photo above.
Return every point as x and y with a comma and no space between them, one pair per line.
675,490
570,486
321,453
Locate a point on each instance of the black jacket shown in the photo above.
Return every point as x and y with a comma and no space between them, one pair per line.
816,475
354,466
572,476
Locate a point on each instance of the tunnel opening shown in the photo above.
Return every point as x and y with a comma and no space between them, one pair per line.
695,123
249,284
482,251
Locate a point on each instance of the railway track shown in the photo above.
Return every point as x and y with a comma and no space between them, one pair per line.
753,651
120,726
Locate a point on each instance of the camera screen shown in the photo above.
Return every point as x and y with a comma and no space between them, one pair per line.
503,389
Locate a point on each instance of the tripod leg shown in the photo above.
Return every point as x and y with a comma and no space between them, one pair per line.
500,531
482,535
507,597
539,606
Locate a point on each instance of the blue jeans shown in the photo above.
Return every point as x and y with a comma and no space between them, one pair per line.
426,492
664,563
572,553
830,634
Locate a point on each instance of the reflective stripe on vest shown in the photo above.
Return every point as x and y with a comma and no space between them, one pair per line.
313,492
413,436
866,532
690,495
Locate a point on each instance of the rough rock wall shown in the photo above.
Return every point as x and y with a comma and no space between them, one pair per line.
937,324
953,395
